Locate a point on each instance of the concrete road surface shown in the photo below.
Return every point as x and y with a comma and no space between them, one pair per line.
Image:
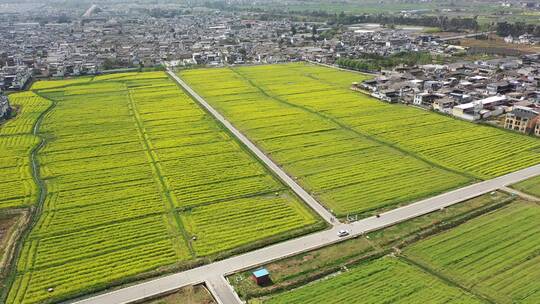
222,291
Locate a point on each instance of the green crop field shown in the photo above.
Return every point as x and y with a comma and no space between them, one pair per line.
385,280
484,250
530,186
139,179
355,153
496,255
16,143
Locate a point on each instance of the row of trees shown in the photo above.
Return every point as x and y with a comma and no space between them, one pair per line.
516,29
443,22
372,62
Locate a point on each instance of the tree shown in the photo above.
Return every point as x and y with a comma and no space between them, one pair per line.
293,30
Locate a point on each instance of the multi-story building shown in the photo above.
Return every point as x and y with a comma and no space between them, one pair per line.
4,106
522,119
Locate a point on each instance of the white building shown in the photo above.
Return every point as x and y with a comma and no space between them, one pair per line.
479,109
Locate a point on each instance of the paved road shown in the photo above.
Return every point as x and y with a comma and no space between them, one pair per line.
213,274
325,214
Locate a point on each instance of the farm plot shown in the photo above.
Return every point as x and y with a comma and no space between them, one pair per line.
385,280
496,255
349,173
531,186
298,270
16,143
356,154
130,162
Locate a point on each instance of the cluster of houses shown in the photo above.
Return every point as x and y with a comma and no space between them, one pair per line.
5,109
130,36
14,77
503,90
523,39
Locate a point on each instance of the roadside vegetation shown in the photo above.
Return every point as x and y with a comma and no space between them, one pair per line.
140,181
357,155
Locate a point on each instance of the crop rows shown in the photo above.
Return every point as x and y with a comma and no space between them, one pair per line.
334,163
130,163
356,154
496,254
16,144
385,280
242,221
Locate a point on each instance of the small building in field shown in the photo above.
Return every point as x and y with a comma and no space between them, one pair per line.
261,277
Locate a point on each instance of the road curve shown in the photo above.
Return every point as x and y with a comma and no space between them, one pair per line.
325,214
213,274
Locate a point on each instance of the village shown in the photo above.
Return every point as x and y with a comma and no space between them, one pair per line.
504,92
46,42
500,90
5,108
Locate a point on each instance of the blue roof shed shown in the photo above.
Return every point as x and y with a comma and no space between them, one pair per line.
261,273
261,276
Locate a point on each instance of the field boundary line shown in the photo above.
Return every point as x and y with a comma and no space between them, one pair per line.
448,280
35,209
295,187
162,184
372,138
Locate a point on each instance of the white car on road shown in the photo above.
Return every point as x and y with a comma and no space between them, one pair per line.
342,233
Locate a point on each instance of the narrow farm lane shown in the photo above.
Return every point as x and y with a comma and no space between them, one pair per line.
214,272
306,197
222,291
522,194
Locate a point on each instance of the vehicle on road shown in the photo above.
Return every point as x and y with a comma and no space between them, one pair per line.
343,233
